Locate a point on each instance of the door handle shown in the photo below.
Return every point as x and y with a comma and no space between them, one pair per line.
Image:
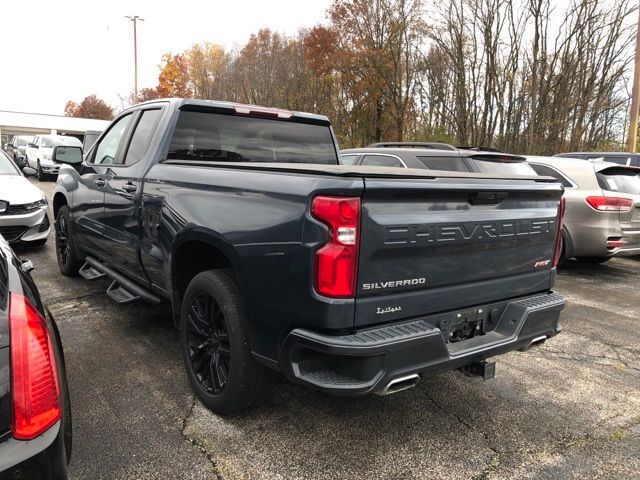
100,182
129,187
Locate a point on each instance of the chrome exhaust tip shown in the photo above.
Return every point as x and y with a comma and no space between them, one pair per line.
535,342
401,383
538,340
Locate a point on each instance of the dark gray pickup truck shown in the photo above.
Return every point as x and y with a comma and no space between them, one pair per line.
352,280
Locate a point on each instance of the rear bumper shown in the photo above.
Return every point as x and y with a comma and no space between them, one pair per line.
43,457
368,360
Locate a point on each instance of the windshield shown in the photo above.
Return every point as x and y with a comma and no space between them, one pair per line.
7,167
21,142
505,168
48,142
619,180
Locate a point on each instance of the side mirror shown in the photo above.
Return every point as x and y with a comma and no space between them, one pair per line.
33,145
29,172
68,155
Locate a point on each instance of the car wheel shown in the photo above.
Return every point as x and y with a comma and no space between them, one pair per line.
215,344
41,176
68,262
593,260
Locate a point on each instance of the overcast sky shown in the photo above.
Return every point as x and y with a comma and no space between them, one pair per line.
54,51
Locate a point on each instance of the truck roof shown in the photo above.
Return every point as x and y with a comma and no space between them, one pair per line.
246,109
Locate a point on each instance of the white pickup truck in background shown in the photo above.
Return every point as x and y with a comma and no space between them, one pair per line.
39,152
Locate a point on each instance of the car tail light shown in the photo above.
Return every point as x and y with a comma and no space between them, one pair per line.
610,204
557,249
35,387
337,261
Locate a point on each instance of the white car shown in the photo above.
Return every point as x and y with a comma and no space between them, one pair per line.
39,153
23,206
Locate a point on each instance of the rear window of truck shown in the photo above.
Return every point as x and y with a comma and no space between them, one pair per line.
214,137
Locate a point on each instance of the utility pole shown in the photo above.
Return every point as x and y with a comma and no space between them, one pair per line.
635,93
135,19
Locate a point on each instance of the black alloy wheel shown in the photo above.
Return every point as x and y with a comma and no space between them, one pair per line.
62,239
208,343
215,344
68,262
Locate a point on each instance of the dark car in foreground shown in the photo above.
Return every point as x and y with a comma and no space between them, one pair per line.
348,279
35,414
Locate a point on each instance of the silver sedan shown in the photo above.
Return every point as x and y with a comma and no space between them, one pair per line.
23,206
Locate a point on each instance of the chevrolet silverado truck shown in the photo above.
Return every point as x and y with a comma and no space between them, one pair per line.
351,280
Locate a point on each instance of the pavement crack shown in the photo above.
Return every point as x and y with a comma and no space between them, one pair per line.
496,458
195,442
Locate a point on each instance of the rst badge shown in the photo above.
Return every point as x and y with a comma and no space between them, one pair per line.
542,263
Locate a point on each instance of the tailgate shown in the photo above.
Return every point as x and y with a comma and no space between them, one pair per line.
432,245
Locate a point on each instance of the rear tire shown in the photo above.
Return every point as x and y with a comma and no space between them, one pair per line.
68,262
215,345
593,260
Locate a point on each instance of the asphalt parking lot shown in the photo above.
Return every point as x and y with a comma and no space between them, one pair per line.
567,409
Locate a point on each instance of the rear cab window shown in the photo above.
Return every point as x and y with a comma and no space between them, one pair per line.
218,137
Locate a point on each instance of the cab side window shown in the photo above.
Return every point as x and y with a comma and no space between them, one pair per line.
142,136
106,150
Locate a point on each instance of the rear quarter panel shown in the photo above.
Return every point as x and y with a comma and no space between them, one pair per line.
260,220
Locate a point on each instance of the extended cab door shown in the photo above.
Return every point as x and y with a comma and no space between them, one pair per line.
122,221
88,199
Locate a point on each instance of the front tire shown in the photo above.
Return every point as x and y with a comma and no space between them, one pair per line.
215,344
68,262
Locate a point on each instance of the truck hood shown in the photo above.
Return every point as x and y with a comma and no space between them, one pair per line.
17,190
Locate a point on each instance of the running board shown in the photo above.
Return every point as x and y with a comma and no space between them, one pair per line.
122,290
89,273
119,294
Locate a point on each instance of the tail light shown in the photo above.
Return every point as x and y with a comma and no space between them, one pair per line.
610,204
337,261
557,249
35,387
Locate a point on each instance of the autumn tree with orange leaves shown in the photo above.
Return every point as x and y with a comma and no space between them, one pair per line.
90,107
492,73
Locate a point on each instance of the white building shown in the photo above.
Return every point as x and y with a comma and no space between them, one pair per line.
19,123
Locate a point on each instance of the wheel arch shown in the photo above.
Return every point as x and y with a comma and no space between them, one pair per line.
194,251
59,201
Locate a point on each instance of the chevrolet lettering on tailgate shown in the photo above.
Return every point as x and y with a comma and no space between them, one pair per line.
467,232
